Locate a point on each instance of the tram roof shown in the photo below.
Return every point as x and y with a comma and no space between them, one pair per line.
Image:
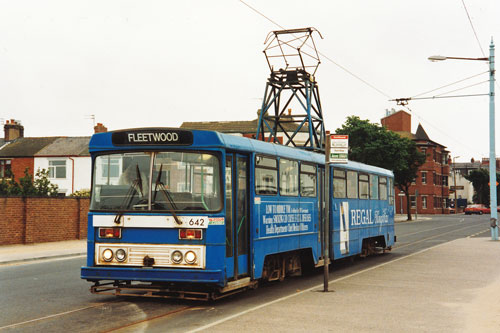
211,139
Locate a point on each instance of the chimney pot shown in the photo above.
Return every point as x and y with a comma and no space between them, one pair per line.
13,130
100,128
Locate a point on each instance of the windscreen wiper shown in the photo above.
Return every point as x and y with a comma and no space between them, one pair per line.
127,200
166,194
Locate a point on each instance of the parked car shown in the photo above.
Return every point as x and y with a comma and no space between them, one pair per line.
476,209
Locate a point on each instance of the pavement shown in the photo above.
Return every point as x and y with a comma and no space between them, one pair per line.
451,287
11,254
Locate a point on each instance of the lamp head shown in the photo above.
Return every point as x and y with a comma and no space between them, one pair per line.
435,58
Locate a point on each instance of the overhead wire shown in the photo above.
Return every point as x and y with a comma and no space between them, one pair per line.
475,34
450,84
472,85
375,88
322,54
473,29
470,149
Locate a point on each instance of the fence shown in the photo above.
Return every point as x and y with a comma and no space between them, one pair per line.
38,220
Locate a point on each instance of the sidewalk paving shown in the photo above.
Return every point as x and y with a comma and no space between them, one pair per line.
452,287
21,252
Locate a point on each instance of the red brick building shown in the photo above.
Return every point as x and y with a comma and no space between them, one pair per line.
432,183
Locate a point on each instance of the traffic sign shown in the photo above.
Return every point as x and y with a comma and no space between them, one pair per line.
339,146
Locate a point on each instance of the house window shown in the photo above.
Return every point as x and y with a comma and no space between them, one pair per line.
5,168
57,169
424,151
424,177
445,180
424,202
413,201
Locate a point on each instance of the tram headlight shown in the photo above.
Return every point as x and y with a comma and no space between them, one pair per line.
107,255
190,257
121,255
177,256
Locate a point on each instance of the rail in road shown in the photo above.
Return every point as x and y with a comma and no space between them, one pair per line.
49,296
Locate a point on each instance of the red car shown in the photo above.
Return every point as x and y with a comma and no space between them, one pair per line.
476,209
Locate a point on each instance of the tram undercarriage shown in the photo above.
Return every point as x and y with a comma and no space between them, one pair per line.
170,290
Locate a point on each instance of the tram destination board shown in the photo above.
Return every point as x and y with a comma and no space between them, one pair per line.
156,136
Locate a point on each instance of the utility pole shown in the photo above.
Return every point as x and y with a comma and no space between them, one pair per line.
455,183
326,224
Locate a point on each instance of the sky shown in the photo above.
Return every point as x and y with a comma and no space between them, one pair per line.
160,63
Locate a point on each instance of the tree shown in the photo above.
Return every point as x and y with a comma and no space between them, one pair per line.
480,180
373,144
26,187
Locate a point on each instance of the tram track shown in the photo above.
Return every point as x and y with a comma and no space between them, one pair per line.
177,311
434,236
431,229
35,321
55,315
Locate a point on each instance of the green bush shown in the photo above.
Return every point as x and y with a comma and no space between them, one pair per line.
27,187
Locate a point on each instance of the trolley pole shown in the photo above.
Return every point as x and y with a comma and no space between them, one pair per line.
326,222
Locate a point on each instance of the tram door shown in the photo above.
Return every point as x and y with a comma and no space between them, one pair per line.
237,216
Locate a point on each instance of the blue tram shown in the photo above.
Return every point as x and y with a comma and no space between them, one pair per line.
201,214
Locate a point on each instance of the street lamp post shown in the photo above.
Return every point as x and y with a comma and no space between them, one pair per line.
455,182
493,162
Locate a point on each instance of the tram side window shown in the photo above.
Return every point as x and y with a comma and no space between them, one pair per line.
352,184
289,177
373,187
391,191
339,184
364,187
307,180
266,175
382,184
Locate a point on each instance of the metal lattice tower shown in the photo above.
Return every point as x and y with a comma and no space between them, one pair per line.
292,87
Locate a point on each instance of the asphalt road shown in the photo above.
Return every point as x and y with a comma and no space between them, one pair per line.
50,296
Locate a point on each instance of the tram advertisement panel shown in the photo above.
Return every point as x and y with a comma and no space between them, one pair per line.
284,218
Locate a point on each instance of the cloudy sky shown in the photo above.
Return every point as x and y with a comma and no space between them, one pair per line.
159,63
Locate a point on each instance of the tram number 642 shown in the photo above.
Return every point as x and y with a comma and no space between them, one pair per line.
197,222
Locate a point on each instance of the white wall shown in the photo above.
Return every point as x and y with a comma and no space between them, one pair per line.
82,173
467,192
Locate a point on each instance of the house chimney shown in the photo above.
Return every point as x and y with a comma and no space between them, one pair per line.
13,130
100,128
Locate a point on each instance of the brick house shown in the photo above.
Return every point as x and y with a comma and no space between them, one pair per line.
66,158
432,183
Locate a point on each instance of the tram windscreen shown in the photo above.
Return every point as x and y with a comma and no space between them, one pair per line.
157,181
